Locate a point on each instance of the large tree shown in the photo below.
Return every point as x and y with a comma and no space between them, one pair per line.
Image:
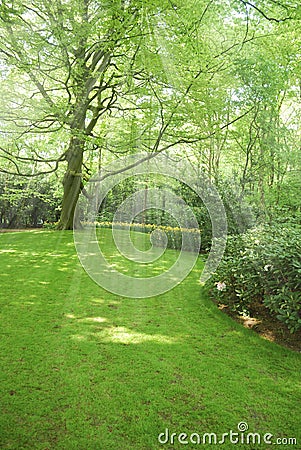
73,68
72,60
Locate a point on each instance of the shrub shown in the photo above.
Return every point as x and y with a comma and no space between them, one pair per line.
50,225
263,265
173,234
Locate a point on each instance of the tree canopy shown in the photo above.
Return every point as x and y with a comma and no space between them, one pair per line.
83,82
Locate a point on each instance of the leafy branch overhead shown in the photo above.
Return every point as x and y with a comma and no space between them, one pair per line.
83,81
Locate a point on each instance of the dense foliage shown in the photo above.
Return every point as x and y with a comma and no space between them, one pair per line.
263,266
27,202
215,83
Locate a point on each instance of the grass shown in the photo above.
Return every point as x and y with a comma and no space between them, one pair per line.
84,369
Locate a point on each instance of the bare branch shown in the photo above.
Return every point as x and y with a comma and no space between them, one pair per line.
155,150
28,175
271,19
12,158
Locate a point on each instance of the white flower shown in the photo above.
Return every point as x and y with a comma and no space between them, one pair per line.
221,286
267,267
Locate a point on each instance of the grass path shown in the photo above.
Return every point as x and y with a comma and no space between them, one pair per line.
83,369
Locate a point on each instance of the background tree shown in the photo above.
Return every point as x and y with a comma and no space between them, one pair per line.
92,80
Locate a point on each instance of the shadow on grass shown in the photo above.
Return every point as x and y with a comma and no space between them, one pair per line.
85,369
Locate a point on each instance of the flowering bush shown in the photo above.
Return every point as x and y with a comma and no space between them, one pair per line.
221,286
263,265
173,234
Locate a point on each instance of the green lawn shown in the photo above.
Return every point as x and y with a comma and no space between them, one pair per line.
84,369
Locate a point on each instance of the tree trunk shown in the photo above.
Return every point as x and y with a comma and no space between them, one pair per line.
72,185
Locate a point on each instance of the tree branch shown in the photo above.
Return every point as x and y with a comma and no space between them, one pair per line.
155,151
271,19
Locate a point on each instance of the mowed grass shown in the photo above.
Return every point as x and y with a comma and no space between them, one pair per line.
84,369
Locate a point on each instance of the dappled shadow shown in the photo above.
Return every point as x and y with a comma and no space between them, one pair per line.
18,230
116,334
168,360
24,252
